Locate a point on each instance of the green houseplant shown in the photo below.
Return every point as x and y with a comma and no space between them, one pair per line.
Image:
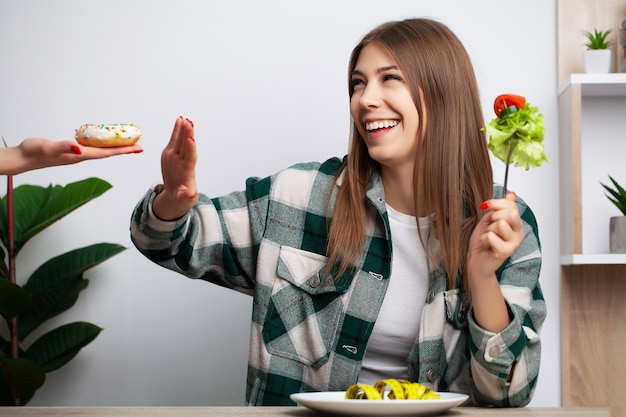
52,288
616,194
617,227
598,56
597,39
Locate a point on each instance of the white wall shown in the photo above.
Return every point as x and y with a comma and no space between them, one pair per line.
265,83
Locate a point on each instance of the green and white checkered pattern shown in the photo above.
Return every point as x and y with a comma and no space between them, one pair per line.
309,331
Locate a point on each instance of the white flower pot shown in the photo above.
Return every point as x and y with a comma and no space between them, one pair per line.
617,234
597,61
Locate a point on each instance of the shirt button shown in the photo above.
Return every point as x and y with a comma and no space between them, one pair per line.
494,351
314,282
461,316
431,375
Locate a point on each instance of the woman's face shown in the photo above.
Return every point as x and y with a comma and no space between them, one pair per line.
383,109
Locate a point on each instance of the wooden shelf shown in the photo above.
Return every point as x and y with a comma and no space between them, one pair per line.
594,259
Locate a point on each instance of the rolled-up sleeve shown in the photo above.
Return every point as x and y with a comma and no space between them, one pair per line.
214,241
505,365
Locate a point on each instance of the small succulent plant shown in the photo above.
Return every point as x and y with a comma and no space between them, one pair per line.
597,39
617,195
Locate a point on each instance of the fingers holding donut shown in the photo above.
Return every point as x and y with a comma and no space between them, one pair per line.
89,152
35,153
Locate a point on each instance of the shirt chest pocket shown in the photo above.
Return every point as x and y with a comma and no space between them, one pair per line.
304,309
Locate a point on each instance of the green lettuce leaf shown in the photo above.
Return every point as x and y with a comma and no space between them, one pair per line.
526,130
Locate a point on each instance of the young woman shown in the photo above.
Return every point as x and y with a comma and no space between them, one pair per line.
393,262
35,153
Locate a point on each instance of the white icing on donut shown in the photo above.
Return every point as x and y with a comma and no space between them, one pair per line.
108,131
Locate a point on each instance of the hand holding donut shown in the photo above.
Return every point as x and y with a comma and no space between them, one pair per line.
35,153
178,167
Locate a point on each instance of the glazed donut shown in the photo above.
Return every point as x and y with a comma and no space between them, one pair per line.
107,135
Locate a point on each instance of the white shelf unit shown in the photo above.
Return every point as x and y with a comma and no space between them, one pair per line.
598,85
594,259
592,142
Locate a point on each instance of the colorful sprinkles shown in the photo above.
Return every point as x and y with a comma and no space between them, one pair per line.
107,134
106,131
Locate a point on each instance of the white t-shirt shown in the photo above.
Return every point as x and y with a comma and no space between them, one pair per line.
397,325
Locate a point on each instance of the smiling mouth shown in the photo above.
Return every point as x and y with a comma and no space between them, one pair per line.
380,124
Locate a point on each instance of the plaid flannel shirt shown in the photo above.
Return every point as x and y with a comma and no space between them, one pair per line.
310,331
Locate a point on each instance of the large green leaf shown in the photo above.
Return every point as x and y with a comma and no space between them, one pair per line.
56,284
37,207
57,347
70,264
55,300
20,376
13,299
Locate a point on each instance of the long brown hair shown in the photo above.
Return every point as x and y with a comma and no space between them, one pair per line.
452,162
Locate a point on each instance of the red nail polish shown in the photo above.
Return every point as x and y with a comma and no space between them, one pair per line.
484,206
189,120
76,149
192,138
138,151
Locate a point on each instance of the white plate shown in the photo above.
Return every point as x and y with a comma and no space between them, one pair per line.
334,402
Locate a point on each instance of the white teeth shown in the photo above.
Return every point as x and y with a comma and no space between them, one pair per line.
381,124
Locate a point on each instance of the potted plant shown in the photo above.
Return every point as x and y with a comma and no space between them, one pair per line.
617,226
27,356
598,55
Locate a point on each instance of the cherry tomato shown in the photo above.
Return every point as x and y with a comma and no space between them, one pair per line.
504,101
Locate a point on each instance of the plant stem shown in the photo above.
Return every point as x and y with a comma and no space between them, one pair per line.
13,323
11,249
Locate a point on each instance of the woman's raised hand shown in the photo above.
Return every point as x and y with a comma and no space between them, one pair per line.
178,167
